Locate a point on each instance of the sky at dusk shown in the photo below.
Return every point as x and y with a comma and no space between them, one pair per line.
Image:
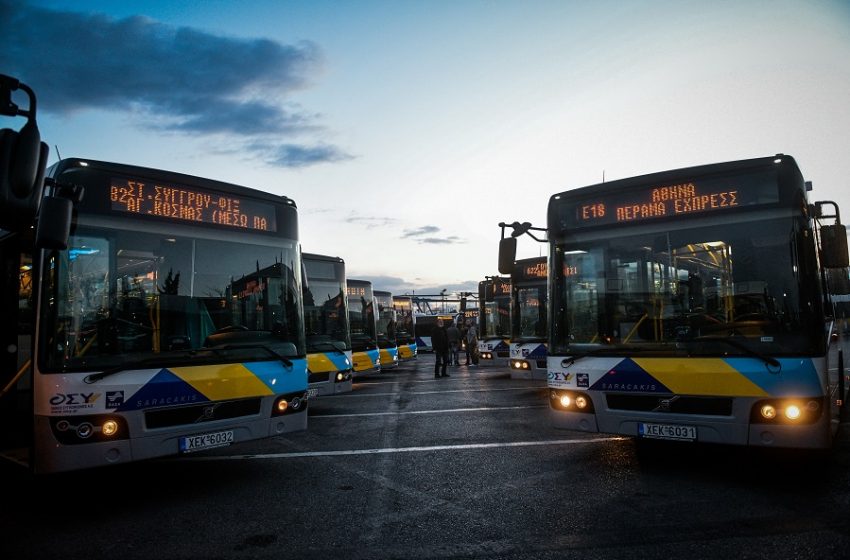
406,131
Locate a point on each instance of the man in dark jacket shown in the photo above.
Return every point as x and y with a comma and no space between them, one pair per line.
440,344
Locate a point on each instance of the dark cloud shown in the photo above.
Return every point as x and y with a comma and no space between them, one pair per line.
172,78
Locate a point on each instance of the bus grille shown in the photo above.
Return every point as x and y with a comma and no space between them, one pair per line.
196,414
674,404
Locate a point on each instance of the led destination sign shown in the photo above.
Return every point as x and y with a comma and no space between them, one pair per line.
666,201
185,204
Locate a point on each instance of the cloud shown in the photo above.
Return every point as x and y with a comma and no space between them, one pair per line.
371,222
170,78
450,240
424,230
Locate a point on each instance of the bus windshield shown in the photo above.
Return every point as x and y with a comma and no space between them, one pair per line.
361,313
693,287
116,297
325,312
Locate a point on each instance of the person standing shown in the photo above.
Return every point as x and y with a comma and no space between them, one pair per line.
453,334
472,344
440,344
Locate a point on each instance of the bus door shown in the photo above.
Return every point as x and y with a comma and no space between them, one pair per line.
16,295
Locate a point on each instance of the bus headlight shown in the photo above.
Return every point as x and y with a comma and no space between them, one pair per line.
109,428
88,429
768,412
289,403
573,401
787,411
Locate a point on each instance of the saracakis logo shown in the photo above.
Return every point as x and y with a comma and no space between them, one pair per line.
627,376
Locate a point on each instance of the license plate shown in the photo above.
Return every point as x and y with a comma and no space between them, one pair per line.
190,444
667,431
312,392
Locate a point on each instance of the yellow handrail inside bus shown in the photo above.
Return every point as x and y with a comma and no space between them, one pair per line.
17,377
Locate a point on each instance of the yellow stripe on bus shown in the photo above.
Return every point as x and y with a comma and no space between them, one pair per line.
320,363
219,382
700,376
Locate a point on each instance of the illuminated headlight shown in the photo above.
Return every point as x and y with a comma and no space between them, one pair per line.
281,406
109,428
574,401
340,376
787,411
768,412
89,429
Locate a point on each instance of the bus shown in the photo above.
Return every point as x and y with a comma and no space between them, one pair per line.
494,320
366,357
328,335
425,324
387,343
694,305
170,323
405,331
528,318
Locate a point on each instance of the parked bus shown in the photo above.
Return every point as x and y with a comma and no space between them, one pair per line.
494,320
528,318
366,356
405,331
329,356
424,325
387,343
172,323
694,305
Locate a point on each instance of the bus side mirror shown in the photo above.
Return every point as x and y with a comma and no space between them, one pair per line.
834,246
507,255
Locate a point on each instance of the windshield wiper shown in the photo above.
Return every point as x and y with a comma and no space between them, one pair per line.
769,360
159,361
283,359
155,361
573,358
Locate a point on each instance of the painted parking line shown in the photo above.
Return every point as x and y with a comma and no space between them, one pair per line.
441,411
416,449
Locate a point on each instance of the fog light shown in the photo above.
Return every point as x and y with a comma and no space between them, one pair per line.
282,405
768,411
793,412
565,401
109,428
581,402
